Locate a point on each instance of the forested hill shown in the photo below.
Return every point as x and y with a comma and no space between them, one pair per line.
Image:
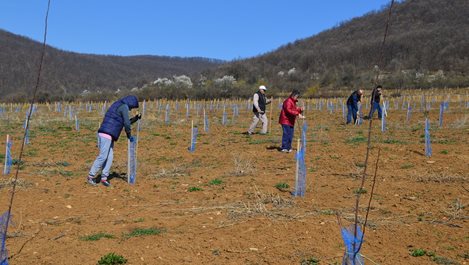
66,74
427,46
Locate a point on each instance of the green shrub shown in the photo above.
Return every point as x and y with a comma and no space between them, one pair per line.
96,237
310,261
112,259
407,166
191,189
443,261
215,182
418,252
143,232
360,191
356,140
282,186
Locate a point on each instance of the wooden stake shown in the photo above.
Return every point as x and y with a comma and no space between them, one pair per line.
270,114
297,167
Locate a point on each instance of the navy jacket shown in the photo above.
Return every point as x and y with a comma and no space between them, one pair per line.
354,99
115,119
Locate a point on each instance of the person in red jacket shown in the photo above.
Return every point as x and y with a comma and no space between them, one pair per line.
287,119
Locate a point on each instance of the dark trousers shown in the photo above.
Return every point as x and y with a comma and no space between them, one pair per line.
287,136
374,107
352,112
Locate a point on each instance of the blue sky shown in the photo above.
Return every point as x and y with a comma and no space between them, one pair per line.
206,28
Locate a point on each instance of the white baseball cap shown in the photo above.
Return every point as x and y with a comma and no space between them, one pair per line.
263,88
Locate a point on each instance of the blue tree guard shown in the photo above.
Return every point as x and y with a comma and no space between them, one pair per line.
442,109
359,120
409,112
70,113
428,144
103,110
77,124
446,105
224,119
3,233
144,107
195,131
159,106
132,161
166,115
26,137
383,118
8,159
383,123
352,243
300,185
206,123
344,114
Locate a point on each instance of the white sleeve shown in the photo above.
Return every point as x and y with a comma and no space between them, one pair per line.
255,101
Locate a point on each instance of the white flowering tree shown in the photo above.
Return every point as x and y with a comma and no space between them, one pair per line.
163,82
226,84
182,82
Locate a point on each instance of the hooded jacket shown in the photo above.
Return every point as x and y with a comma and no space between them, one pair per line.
289,112
354,99
113,121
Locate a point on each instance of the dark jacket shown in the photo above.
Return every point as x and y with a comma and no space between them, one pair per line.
117,116
262,102
289,112
354,99
376,95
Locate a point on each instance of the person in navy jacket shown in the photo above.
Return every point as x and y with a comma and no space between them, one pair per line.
352,105
116,118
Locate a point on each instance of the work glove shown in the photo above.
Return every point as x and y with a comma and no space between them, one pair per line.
132,139
136,118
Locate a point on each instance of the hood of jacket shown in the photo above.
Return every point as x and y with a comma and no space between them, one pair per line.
131,101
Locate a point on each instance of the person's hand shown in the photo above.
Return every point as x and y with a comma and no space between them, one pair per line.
301,116
139,116
132,139
262,112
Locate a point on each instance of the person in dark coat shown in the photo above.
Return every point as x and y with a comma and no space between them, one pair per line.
116,118
259,102
375,100
287,119
352,105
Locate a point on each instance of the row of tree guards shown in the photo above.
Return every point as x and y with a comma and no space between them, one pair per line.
73,110
173,113
423,102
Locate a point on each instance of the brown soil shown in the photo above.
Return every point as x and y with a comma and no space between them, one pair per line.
418,203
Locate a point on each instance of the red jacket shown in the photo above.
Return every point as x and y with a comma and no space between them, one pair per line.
289,112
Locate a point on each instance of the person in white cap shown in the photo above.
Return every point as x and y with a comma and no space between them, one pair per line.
259,101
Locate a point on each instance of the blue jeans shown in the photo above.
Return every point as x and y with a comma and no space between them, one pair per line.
352,112
104,159
373,108
287,136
